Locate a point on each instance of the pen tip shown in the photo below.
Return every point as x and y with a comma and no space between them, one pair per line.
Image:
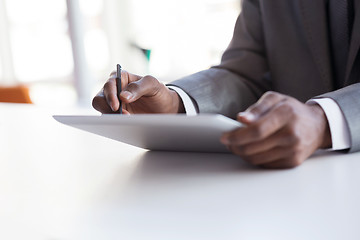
118,66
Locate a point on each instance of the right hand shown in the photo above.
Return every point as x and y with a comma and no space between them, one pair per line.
139,95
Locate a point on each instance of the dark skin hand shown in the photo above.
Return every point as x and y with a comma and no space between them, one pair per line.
281,132
139,95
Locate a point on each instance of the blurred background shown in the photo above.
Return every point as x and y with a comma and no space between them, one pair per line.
64,50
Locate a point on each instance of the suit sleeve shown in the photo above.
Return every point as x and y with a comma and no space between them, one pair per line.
348,99
243,74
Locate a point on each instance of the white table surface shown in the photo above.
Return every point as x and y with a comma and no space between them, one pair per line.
61,183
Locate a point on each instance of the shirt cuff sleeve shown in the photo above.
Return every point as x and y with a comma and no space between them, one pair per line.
340,134
190,108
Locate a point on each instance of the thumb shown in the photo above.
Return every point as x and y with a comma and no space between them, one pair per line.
246,117
261,107
145,87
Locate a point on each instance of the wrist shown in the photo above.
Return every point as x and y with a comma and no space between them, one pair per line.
325,135
178,105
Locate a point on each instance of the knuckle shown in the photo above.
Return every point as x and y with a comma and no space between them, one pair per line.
256,109
293,140
293,135
297,135
233,139
258,131
134,86
245,150
152,81
257,134
150,78
270,94
124,72
108,85
288,108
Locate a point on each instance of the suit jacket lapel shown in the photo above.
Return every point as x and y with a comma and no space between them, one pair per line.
314,21
354,43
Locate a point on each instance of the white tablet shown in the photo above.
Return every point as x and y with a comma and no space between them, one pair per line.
164,132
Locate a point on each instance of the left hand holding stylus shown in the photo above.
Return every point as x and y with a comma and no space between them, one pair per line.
138,95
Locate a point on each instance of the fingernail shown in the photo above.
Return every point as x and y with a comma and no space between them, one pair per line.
248,115
111,104
126,94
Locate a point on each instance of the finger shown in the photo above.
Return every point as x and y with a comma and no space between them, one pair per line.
110,93
262,128
146,87
126,78
100,104
110,88
262,106
126,112
113,74
279,139
130,77
262,158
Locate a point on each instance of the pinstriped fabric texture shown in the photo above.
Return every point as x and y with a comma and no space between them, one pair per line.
341,14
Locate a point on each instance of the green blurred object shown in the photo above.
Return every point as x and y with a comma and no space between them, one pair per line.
145,51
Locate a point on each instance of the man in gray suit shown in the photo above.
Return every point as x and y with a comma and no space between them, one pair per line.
291,73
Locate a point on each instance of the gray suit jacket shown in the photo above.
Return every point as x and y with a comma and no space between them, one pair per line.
283,46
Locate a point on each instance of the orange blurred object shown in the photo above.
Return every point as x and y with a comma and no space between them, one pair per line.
16,94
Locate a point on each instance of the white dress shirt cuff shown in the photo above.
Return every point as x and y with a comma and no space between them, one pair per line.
190,109
340,134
